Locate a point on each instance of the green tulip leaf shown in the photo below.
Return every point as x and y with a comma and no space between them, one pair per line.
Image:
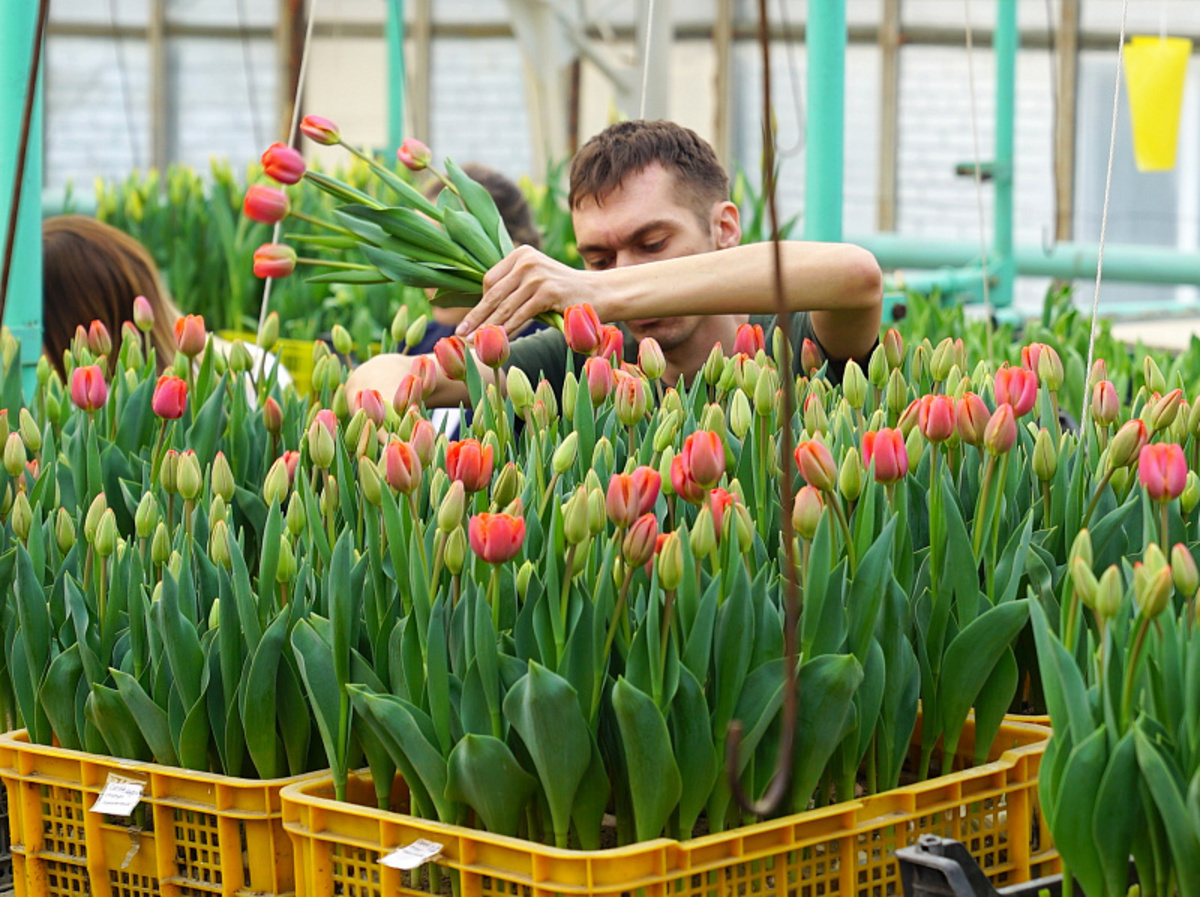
314,659
1118,814
57,696
694,750
993,702
151,719
654,780
827,687
1166,787
1072,824
591,800
483,773
107,712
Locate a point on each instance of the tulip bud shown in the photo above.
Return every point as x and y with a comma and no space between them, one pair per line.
296,517
343,342
369,481
507,485
1161,413
520,391
217,510
524,574
1191,493
1155,381
703,536
603,453
570,392
146,518
815,418
275,484
575,517
564,456
597,513
1109,594
92,520
168,471
1151,590
1127,444
638,545
741,416
1001,430
765,391
669,563
668,427
64,531
416,331
106,531
30,434
651,359
329,497
21,517
806,512
851,475
14,455
222,477
1081,548
630,400
1045,457
1084,582
452,508
914,447
1183,570
321,447
897,392
854,385
218,544
268,333
240,359
713,418
160,545
189,478
285,565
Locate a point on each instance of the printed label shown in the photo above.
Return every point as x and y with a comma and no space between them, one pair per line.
416,854
119,797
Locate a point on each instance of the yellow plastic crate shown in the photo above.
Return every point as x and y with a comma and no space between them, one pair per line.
843,849
194,833
293,354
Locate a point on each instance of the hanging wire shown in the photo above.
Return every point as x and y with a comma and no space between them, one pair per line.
123,78
983,248
248,74
1112,144
291,136
646,56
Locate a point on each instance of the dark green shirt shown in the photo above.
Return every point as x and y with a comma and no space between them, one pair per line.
544,354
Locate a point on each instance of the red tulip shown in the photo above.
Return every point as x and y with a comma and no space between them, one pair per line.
99,339
640,540
291,461
684,483
630,495
816,465
1163,469
370,401
811,357
886,448
88,389
612,343
413,154
1017,387
274,260
704,457
272,416
470,463
451,354
972,418
936,418
1001,430
170,397
719,500
647,483
491,345
320,130
402,467
749,340
600,378
496,538
581,327
266,205
283,164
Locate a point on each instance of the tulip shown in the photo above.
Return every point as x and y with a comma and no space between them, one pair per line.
1045,458
98,339
741,415
1162,470
600,379
651,359
188,477
1151,589
1109,594
630,400
576,526
416,331
1084,582
170,397
718,502
683,482
321,447
372,404
520,390
1184,571
703,456
408,393
1001,430
1161,413
749,340
320,130
190,335
620,501
402,467
470,463
668,548
14,455
638,546
240,361
283,164
274,260
972,417
936,418
854,385
266,205
1105,406
815,463
414,155
1153,375
88,389
28,428
811,357
1016,387
423,439
612,343
582,328
491,345
886,449
1127,443
563,458
1050,369
850,475
807,511
222,480
893,347
143,314
714,365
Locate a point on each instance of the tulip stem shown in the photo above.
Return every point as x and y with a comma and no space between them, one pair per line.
494,596
1091,508
412,507
546,495
668,610
156,466
935,521
1131,669
304,216
560,631
981,510
1164,531
840,513
618,612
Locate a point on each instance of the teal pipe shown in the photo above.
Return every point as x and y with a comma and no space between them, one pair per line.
1065,261
824,127
23,306
394,35
1004,45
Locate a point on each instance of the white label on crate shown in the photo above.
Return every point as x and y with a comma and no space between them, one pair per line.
416,854
119,797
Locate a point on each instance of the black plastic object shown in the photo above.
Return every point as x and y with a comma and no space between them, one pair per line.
6,870
942,867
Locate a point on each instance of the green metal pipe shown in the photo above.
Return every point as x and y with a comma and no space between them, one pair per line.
394,36
824,129
1065,261
1005,43
23,306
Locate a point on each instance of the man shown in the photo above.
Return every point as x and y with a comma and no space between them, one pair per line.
649,203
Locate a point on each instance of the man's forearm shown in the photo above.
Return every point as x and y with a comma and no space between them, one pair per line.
384,373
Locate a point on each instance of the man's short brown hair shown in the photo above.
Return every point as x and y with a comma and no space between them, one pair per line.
627,148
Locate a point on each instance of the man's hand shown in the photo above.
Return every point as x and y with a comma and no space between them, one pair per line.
524,284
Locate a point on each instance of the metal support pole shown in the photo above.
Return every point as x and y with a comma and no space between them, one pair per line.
23,306
889,113
825,44
396,82
1005,48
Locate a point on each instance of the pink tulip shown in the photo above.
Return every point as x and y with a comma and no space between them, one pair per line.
266,205
972,418
272,416
703,455
88,389
651,359
190,335
413,154
143,314
816,465
640,541
320,130
749,340
684,483
274,260
451,354
496,538
936,418
327,419
423,439
886,448
491,345
409,392
612,343
601,380
291,461
170,397
1105,406
283,164
581,327
1017,387
1163,469
630,495
1001,430
371,402
402,467
425,369
720,500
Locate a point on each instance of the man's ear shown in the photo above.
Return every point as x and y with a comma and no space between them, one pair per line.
726,225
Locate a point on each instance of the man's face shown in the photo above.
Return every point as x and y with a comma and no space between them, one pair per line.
643,220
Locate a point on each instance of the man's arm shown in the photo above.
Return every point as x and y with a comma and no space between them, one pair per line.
384,373
840,283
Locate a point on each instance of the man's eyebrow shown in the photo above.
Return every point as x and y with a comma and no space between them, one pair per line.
638,234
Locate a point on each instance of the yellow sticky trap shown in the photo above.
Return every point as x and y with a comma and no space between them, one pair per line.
1155,71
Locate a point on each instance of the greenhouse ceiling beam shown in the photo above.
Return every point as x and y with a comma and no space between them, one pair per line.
23,305
1065,261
